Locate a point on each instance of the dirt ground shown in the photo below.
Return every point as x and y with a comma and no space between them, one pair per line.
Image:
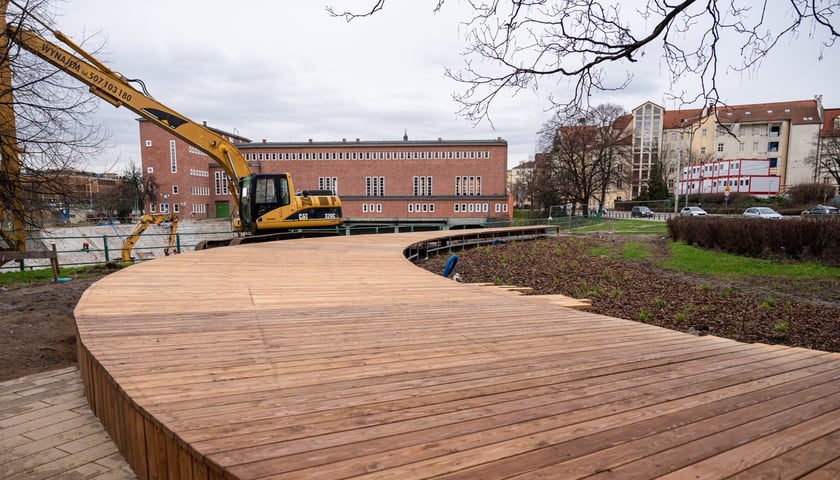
37,325
38,329
784,311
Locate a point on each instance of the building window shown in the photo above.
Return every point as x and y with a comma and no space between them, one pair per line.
740,147
375,186
756,130
703,133
410,208
173,158
174,189
220,181
422,186
148,143
150,169
328,183
755,147
176,207
719,147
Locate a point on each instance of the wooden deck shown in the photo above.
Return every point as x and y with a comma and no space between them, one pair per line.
332,358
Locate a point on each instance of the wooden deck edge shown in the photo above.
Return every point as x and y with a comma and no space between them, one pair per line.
149,449
564,301
554,299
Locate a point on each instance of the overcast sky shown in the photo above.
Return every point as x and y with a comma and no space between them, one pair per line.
287,71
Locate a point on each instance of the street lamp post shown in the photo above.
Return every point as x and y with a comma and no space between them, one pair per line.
677,180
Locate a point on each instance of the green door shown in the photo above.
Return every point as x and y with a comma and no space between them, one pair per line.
222,209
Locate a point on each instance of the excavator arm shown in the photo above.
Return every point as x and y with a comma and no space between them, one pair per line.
115,89
142,224
266,203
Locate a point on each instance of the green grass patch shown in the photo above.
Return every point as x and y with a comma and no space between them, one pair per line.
602,250
636,251
626,227
686,258
44,275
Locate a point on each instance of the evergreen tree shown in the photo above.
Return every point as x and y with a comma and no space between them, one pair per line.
657,186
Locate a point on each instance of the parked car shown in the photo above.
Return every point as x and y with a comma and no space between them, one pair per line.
692,212
641,212
762,212
819,210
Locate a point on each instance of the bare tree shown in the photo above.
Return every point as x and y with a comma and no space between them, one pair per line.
829,159
47,129
589,154
515,45
613,159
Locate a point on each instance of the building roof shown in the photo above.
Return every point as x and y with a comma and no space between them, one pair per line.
372,143
830,127
674,118
525,165
235,137
798,112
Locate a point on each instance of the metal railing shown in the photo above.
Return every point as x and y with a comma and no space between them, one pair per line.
475,238
84,250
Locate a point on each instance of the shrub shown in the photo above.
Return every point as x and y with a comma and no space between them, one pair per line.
755,237
810,193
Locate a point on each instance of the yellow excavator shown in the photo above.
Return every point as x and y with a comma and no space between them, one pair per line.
142,225
265,203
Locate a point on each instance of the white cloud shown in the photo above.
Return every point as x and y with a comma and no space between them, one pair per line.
286,71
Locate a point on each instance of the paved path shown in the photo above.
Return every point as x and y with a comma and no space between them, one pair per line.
48,431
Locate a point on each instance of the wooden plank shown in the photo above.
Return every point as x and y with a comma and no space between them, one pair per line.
335,357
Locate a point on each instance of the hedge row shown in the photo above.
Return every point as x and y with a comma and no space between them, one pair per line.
757,237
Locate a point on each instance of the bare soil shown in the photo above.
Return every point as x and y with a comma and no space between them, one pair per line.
37,328
39,333
749,309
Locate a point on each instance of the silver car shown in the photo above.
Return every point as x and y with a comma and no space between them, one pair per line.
692,212
762,212
819,210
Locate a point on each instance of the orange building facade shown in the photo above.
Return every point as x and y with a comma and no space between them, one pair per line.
443,182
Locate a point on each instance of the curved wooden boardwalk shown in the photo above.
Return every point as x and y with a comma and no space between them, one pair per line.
334,358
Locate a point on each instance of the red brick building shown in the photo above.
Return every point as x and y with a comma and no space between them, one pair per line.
449,182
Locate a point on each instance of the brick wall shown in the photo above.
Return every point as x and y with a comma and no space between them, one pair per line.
359,167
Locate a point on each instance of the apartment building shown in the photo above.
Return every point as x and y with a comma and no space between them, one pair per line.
445,182
829,147
519,180
698,144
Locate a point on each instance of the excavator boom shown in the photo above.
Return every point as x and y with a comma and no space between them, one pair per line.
115,89
142,225
266,202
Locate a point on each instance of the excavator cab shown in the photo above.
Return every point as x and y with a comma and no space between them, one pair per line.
260,195
267,203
